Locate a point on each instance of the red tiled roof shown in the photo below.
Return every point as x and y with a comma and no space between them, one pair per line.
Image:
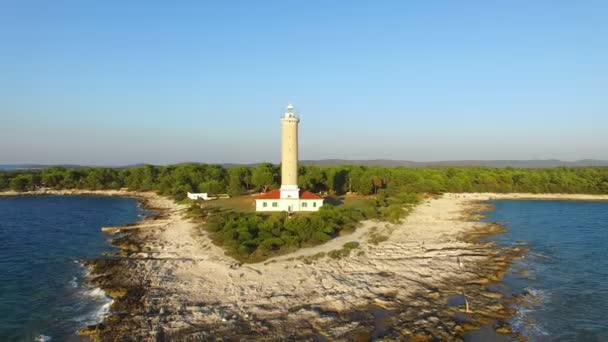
272,194
307,195
276,194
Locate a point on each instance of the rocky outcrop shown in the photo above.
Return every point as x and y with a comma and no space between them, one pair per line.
169,282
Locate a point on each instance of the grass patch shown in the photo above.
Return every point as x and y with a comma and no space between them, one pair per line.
351,245
243,204
345,251
376,238
312,258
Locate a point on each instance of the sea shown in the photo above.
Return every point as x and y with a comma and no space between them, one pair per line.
560,286
43,294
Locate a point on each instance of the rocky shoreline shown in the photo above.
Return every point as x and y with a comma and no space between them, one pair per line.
406,281
144,309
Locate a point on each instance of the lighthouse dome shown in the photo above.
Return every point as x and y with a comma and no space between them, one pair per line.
290,112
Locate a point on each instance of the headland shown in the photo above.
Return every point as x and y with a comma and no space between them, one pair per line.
406,280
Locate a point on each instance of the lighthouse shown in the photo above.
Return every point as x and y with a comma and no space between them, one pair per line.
289,154
289,197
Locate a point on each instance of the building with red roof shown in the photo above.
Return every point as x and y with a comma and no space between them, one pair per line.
272,201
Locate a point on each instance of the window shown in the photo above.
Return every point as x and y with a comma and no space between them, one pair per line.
275,204
264,204
304,204
314,204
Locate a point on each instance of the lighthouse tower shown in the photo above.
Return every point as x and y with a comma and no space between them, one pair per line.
288,198
289,154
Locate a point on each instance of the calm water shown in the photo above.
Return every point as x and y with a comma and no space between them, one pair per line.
565,275
42,295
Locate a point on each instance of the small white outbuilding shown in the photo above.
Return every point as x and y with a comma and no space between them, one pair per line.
200,195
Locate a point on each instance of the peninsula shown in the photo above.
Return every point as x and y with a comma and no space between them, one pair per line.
170,281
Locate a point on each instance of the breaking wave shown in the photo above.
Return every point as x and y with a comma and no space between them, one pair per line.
524,321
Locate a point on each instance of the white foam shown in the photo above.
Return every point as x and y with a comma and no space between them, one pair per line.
523,321
96,292
536,297
97,295
73,282
93,296
103,311
42,338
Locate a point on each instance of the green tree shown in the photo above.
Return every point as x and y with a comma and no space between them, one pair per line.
363,185
377,183
101,178
72,178
140,178
22,183
603,186
236,180
264,176
312,178
53,177
3,181
212,186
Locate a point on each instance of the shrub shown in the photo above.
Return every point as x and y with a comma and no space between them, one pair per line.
351,245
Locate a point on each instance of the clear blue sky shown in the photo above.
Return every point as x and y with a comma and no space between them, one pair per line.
120,82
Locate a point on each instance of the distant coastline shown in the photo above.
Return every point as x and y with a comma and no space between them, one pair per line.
78,192
528,196
499,163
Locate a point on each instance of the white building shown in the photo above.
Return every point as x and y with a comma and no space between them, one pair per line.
289,198
202,195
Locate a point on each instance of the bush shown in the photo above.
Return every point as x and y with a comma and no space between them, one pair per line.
376,238
351,245
345,251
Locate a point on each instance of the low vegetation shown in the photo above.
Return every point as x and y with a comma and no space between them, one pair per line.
345,251
376,238
252,237
312,258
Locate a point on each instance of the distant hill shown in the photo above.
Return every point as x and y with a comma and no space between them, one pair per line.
536,163
13,167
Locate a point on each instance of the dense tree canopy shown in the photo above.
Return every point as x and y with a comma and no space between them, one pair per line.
3,181
22,182
176,180
253,236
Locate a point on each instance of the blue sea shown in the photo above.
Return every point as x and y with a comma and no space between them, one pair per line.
42,291
561,284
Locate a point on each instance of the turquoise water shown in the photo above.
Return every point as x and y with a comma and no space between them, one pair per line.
564,277
42,295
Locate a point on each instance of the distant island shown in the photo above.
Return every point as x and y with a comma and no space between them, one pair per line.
524,163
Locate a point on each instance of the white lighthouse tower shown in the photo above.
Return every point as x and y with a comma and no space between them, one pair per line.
289,197
289,154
